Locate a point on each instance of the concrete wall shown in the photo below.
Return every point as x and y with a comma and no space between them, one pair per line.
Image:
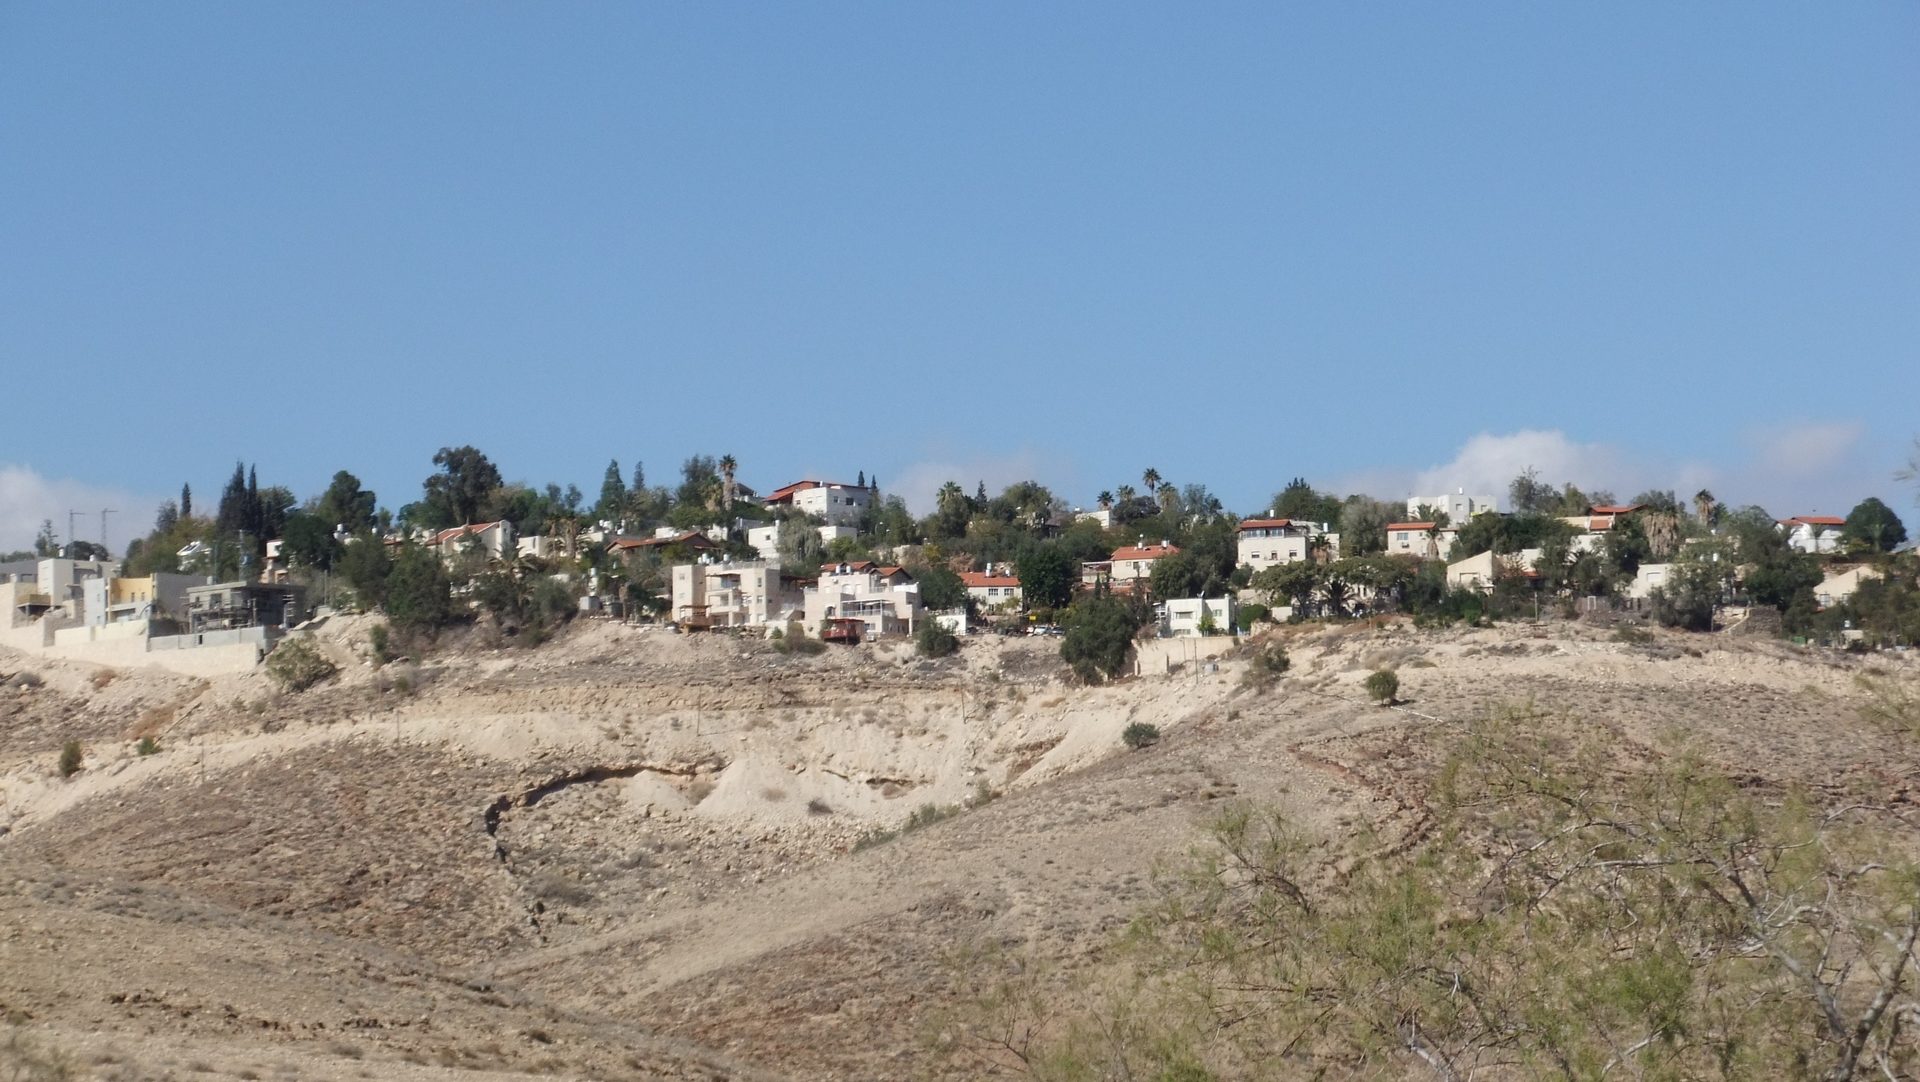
1158,657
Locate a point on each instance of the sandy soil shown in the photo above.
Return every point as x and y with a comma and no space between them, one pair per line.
631,854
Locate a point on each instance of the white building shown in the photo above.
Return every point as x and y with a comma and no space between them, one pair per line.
1818,534
838,504
734,594
885,599
1269,542
1457,506
1190,617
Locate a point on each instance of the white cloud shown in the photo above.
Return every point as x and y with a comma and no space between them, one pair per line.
1806,450
27,498
1800,468
1488,463
917,483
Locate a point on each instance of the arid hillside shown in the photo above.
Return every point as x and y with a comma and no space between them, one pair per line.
632,854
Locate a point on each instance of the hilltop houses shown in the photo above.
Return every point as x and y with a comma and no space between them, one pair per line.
1269,542
839,504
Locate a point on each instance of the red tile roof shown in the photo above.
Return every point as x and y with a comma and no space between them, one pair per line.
979,579
1409,525
1616,509
1266,523
1144,552
1817,520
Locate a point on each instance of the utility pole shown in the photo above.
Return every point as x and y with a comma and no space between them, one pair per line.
104,512
71,535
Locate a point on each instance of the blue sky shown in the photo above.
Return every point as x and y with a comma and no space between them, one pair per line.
1386,247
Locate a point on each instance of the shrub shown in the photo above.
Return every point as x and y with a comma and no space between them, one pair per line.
380,639
798,642
296,665
70,758
147,746
1269,663
1250,614
1383,687
932,640
1140,735
1099,638
816,806
1633,636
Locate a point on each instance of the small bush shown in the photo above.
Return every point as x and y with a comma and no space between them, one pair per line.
1140,735
1250,614
816,806
70,758
296,665
798,642
1268,664
25,680
1633,636
147,746
380,640
1384,687
932,640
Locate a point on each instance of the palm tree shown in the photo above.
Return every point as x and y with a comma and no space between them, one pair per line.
1704,507
1169,496
1105,500
727,465
1151,479
949,495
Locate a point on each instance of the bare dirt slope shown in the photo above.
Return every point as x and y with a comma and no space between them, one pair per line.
629,854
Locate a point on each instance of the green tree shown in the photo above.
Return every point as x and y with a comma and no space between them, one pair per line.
455,495
418,595
1300,501
940,588
46,542
366,565
308,541
1528,495
1176,576
346,504
1047,575
1099,637
1872,527
1363,525
932,640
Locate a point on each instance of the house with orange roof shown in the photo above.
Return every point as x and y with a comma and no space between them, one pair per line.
1817,534
1133,564
1427,540
994,588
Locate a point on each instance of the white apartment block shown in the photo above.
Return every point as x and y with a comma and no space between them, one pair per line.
1458,506
885,599
733,594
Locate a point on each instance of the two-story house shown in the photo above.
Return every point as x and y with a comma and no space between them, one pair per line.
839,504
1132,565
1269,542
993,589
